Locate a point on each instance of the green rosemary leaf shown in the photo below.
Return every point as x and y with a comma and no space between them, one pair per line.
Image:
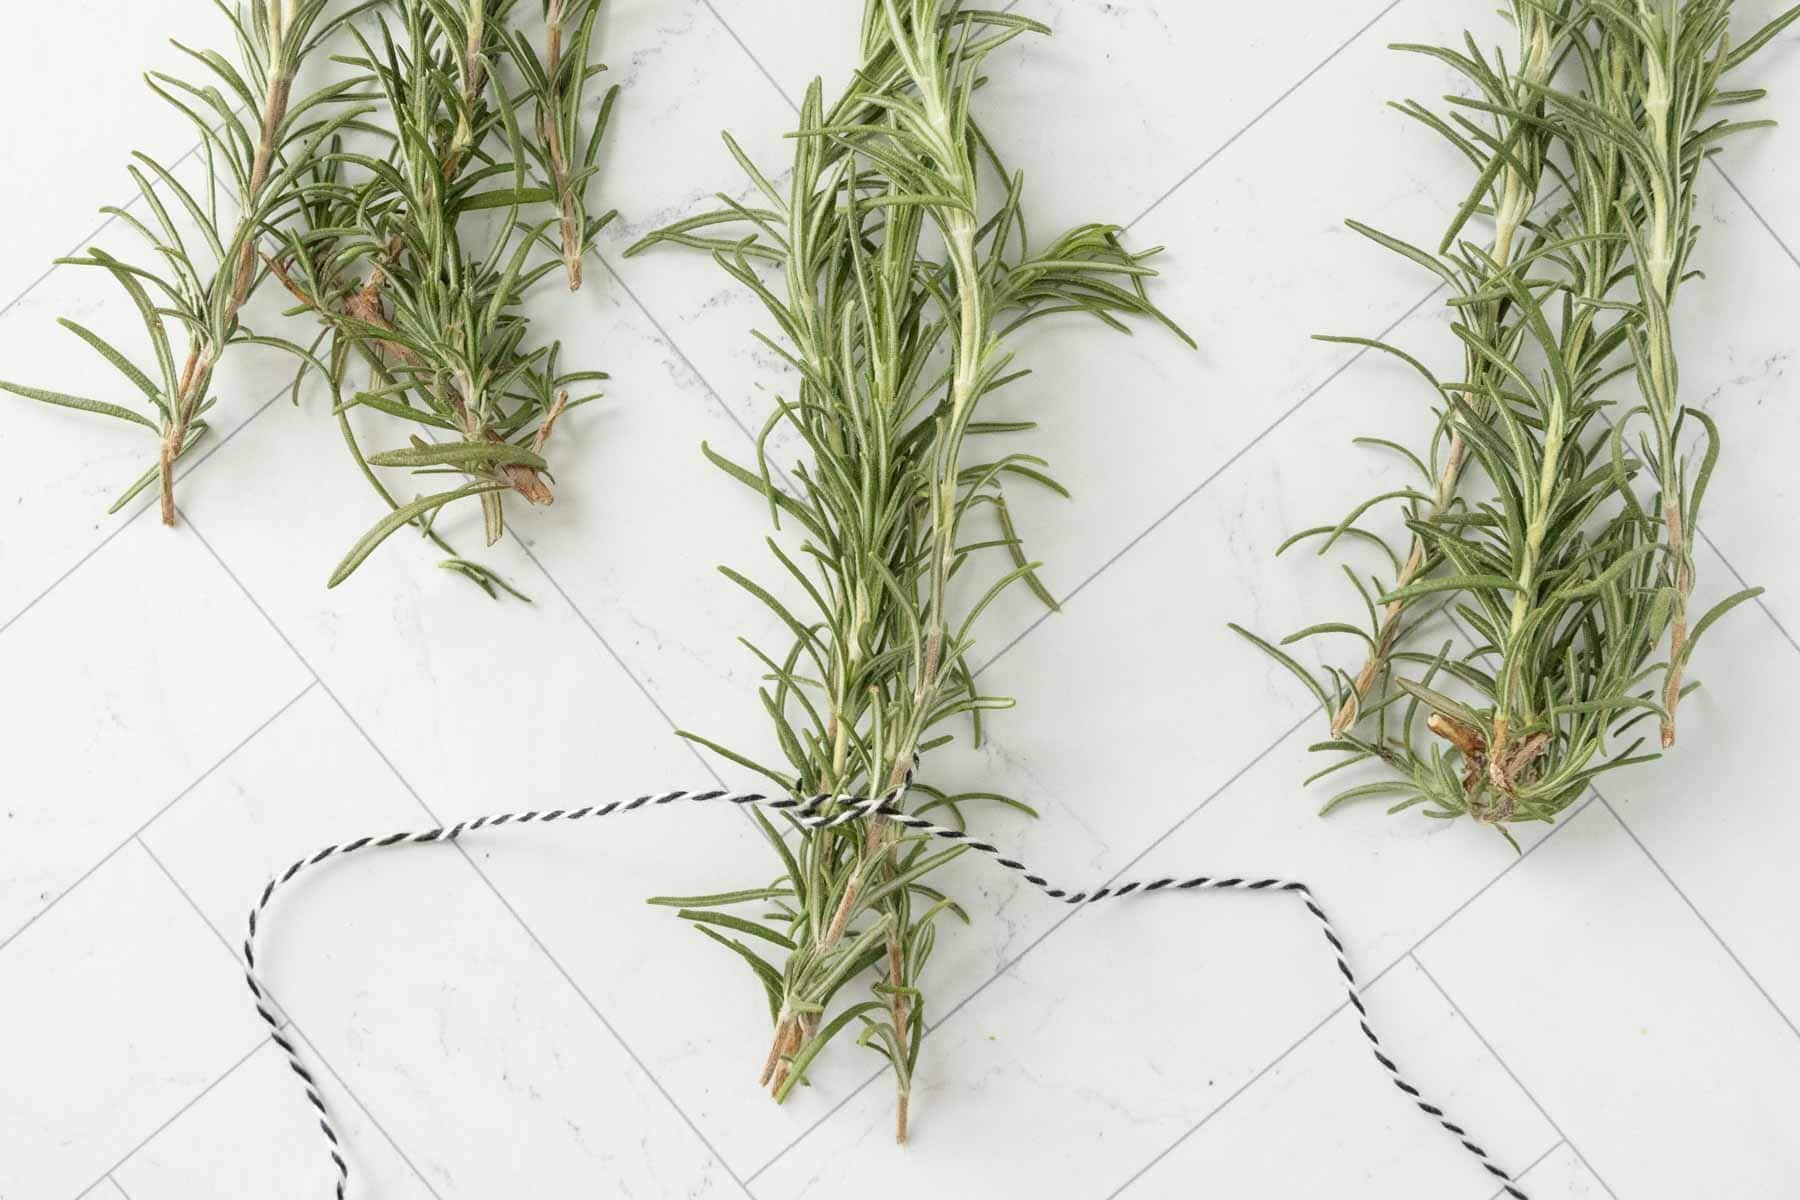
403,515
817,1043
1299,672
122,364
504,198
767,975
64,400
1712,615
1762,37
486,578
459,454
1449,583
721,899
729,921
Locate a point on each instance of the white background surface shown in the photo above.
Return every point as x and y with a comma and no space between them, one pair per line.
1612,1013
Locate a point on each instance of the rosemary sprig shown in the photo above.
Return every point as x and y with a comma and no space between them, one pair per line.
1563,577
1509,158
868,308
1661,66
437,317
258,141
557,86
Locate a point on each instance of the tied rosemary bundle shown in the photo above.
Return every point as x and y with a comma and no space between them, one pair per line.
258,138
417,256
409,208
1574,558
898,288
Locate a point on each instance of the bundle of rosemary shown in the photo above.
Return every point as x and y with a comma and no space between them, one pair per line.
899,283
408,207
1568,556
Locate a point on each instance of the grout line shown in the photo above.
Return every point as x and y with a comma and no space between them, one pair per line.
748,53
1534,1165
1273,105
1742,582
1704,536
712,393
1761,220
468,858
117,1187
1736,574
1695,909
179,796
1216,472
1298,1042
581,616
100,228
274,1001
288,1023
1507,1067
1342,1005
174,1117
313,1048
1376,979
145,506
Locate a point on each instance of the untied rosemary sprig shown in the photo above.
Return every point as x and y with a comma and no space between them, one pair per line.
1564,578
396,255
1664,64
258,140
1509,158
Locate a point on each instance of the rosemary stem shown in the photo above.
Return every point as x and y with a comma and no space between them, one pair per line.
243,269
1449,479
550,127
1517,196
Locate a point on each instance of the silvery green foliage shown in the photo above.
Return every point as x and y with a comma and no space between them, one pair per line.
257,139
408,205
1576,563
894,288
417,242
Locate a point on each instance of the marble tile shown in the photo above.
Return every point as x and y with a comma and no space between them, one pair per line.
77,159
1563,1176
1123,100
417,982
1619,1011
1349,1140
116,1010
517,1021
1740,358
798,42
254,1135
140,674
1708,810
1762,162
643,523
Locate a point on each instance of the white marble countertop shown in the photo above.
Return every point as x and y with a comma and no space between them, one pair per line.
182,711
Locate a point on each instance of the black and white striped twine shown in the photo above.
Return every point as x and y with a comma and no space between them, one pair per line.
822,812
